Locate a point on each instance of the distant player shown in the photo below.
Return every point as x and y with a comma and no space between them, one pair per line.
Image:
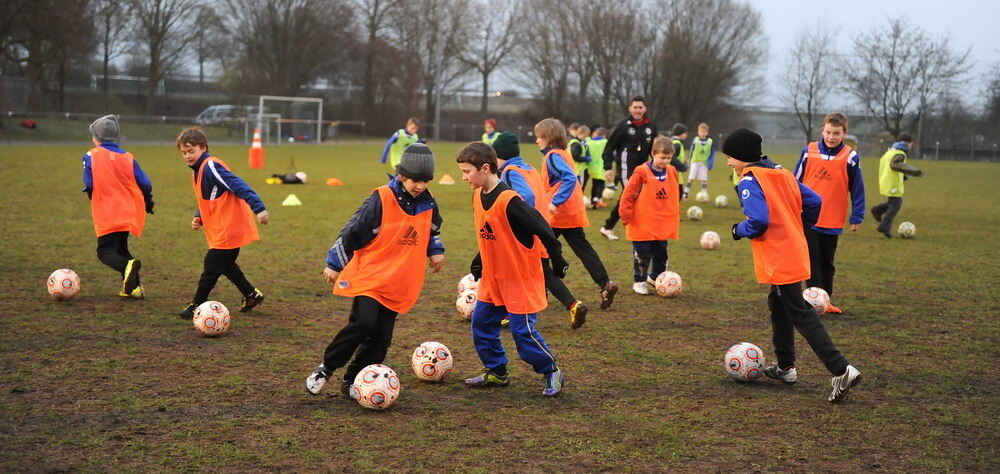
702,159
398,142
679,133
595,168
893,170
627,148
489,131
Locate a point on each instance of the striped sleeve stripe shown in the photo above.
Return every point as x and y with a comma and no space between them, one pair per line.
211,166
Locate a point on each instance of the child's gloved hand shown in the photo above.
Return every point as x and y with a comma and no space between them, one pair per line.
149,206
735,235
559,266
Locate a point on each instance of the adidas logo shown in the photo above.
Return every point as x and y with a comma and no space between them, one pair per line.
822,174
409,237
661,194
486,232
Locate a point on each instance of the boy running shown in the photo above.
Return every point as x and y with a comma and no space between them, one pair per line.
892,172
398,142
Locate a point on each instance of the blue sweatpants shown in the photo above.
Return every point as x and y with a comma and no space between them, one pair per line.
531,347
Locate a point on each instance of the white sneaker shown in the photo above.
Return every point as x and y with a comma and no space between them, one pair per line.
316,380
640,287
789,376
610,234
843,383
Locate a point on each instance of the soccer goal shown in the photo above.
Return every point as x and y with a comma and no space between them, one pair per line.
298,118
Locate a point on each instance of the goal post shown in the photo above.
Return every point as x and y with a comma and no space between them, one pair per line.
315,100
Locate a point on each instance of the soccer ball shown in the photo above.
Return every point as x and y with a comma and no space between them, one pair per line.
63,284
710,240
302,176
745,362
702,196
669,284
586,200
695,213
468,282
431,361
376,387
818,298
608,194
466,303
211,318
721,201
907,230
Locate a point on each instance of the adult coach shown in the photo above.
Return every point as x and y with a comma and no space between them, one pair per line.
627,148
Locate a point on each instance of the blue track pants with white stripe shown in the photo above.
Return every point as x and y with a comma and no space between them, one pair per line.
531,347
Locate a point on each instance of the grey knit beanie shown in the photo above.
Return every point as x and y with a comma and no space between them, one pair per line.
105,129
417,163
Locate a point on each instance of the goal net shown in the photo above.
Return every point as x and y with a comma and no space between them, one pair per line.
284,119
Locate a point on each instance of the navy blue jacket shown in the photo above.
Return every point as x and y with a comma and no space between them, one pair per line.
855,182
218,180
755,205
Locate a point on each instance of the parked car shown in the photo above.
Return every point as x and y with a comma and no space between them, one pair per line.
218,114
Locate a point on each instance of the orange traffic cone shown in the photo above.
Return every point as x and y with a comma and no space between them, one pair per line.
256,151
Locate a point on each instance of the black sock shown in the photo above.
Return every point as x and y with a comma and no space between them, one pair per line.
500,370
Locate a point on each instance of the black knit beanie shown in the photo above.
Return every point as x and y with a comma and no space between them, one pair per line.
744,145
417,163
506,146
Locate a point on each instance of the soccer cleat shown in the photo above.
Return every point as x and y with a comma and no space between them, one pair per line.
553,383
789,375
252,300
345,389
577,314
884,232
640,287
316,380
608,294
137,293
601,205
131,280
844,383
833,309
610,234
488,379
188,311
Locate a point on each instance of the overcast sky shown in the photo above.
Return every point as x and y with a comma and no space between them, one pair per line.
974,23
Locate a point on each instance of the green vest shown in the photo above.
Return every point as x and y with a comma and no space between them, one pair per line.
489,141
890,181
403,140
683,153
579,166
596,149
700,151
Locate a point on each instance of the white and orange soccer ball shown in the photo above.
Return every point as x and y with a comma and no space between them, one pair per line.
608,194
63,284
466,303
211,318
818,298
376,387
710,240
431,361
468,282
695,213
721,201
701,197
745,362
669,284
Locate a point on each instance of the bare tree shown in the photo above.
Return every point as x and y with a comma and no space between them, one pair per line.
616,51
897,69
491,43
211,41
374,13
808,75
545,69
161,30
992,112
114,23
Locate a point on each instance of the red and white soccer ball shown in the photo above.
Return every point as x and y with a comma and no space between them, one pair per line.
710,240
466,303
211,318
63,284
745,362
431,361
818,298
468,282
695,213
376,387
669,284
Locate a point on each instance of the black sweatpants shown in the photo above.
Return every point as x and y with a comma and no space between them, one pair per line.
612,219
367,337
822,248
789,311
596,189
112,250
649,259
556,286
888,211
220,262
577,241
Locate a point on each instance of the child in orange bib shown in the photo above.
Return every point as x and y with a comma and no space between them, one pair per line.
378,260
120,196
227,209
650,208
777,207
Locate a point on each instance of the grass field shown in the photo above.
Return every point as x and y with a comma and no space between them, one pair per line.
99,384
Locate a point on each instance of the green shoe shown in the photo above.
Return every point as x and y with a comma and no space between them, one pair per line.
137,293
488,379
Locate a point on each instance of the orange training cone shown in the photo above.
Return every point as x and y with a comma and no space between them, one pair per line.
256,151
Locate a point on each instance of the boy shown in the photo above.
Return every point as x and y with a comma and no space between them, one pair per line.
226,209
510,235
527,183
679,133
777,207
832,169
120,196
377,259
398,142
702,159
891,170
595,169
578,150
627,148
489,131
569,213
651,211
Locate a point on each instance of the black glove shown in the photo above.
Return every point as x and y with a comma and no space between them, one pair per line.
476,269
559,267
735,235
149,206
